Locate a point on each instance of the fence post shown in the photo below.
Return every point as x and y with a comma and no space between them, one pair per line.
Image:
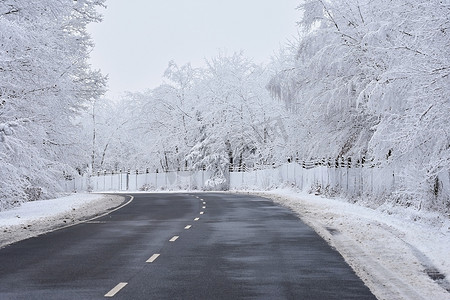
328,171
120,179
322,188
295,172
165,178
341,171
372,167
355,181
363,160
314,174
137,173
287,170
358,178
203,177
303,171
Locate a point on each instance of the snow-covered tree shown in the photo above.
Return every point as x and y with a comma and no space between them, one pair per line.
241,124
45,80
210,117
372,78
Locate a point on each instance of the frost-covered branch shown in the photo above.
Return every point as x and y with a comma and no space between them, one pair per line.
38,40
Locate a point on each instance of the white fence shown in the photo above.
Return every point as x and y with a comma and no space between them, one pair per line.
367,181
76,184
352,180
134,181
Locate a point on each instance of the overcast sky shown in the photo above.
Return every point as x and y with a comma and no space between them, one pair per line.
138,38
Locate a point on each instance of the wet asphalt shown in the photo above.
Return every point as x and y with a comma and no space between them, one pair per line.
240,247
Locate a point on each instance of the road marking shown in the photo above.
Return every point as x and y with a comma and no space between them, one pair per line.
201,212
188,226
152,258
116,289
174,238
196,219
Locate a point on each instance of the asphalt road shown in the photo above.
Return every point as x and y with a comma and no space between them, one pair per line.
240,247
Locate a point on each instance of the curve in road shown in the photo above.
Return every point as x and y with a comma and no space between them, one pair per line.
181,246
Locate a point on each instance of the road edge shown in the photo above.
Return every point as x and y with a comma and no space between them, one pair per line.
59,221
383,281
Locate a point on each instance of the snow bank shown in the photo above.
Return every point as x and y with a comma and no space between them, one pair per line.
394,255
37,217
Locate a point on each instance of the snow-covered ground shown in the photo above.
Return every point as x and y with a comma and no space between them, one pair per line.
37,217
393,250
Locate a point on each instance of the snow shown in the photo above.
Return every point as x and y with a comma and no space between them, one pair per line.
38,217
392,251
32,211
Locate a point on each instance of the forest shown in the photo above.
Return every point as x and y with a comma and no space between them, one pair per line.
363,79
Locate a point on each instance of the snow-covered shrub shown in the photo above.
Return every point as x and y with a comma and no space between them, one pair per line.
147,187
216,184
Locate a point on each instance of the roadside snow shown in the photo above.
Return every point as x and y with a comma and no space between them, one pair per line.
394,253
37,217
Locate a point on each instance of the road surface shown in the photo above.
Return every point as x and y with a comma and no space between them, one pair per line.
181,246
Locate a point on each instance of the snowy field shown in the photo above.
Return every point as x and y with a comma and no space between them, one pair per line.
395,251
38,217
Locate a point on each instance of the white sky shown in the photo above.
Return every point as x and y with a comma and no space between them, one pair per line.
138,38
